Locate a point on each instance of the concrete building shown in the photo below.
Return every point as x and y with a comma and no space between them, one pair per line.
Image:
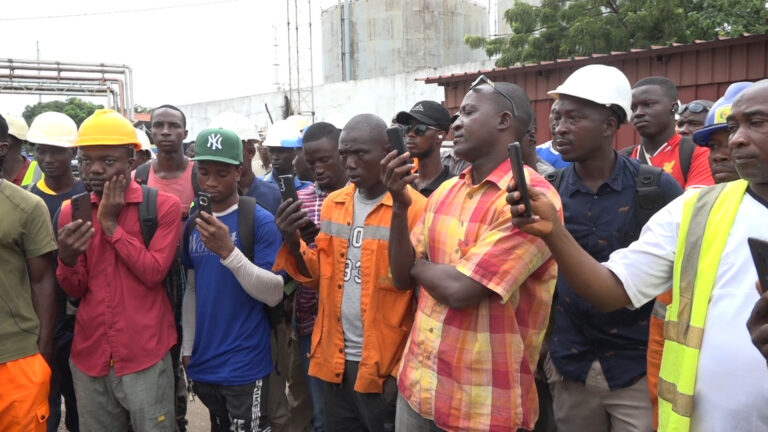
384,38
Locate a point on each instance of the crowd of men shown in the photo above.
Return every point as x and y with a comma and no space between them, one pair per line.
399,291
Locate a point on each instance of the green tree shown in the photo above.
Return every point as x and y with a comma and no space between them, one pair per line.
142,109
560,28
76,108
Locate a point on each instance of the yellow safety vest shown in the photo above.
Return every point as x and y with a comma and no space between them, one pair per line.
710,211
32,175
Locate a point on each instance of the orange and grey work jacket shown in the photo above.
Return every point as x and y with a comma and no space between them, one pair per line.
387,312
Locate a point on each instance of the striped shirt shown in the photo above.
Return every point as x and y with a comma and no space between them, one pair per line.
306,298
473,368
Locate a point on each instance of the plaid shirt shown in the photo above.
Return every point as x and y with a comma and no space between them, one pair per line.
306,298
473,368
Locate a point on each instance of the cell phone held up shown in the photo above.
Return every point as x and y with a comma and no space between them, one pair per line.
204,200
395,138
759,249
287,187
81,207
518,172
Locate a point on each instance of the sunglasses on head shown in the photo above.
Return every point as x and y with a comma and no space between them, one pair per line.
419,129
693,107
482,79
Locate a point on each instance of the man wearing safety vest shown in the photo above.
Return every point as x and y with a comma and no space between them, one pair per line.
712,378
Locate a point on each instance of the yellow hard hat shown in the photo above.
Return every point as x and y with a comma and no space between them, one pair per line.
17,126
107,127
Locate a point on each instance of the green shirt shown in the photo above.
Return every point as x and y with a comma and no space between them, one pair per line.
25,232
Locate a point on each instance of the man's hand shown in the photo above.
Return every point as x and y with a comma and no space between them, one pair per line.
289,219
309,232
215,235
73,239
757,324
112,202
545,218
389,392
396,173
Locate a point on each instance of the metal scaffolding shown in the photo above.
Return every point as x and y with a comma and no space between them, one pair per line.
42,77
300,70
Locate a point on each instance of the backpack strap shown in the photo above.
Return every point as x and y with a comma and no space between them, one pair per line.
141,176
685,153
195,183
245,208
148,213
648,196
555,178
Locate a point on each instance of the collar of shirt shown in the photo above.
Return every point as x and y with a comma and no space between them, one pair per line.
572,182
499,176
642,155
347,194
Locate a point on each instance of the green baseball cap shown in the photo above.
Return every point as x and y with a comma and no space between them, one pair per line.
218,145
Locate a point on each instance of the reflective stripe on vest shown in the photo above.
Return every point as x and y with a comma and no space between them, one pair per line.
32,176
711,212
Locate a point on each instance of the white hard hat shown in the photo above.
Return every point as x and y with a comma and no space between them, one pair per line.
237,123
299,122
143,140
54,129
283,134
17,126
601,84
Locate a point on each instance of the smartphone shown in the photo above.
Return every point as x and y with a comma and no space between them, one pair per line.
518,172
81,207
759,249
395,138
204,200
287,187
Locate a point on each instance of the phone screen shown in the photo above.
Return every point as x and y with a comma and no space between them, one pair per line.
81,207
518,172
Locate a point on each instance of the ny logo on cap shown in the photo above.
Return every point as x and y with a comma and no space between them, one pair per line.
214,142
418,107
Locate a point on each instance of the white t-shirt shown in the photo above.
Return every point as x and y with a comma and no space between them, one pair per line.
731,391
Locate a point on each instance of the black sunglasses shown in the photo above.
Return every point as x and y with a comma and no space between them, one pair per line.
693,107
482,79
419,129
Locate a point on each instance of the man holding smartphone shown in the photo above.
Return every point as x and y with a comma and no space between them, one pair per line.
711,376
124,328
226,348
485,288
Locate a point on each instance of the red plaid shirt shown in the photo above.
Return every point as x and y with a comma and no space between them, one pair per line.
473,368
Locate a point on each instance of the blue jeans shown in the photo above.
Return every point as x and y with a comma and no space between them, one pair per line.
315,385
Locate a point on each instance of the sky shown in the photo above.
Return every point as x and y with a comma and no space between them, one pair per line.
181,51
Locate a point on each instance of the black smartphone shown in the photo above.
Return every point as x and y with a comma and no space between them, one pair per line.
81,207
204,200
759,249
287,187
395,138
518,172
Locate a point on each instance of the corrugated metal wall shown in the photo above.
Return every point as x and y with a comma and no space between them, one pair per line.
701,70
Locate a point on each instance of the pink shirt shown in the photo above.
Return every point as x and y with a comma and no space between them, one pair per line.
180,187
124,313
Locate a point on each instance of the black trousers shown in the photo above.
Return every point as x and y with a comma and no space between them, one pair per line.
348,411
238,408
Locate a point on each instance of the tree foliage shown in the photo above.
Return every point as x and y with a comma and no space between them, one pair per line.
142,109
75,108
560,28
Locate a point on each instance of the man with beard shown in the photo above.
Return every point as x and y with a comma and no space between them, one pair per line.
426,124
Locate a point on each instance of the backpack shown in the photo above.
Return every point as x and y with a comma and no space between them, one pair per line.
648,196
684,152
141,176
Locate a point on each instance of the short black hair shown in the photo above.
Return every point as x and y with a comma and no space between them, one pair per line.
522,104
3,129
170,107
320,130
667,86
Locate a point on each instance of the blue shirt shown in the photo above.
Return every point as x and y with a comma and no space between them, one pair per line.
231,329
300,184
266,194
601,223
551,156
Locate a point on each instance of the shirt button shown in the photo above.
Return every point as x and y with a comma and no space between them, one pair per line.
431,330
458,250
594,197
338,318
338,374
339,286
341,350
469,196
342,254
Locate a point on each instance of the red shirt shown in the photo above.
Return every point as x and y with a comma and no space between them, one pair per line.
124,312
22,173
668,159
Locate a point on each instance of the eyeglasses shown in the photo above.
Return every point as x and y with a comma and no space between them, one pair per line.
482,79
693,107
419,129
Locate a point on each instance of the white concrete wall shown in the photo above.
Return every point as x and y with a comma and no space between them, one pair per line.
335,102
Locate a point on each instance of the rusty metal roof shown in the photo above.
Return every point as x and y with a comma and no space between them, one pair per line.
576,61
